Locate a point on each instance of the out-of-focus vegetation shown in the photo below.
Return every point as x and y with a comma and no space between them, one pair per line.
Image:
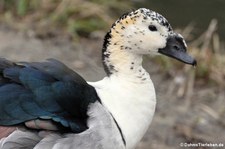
81,17
78,17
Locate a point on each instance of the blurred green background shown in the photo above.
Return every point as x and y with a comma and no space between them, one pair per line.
73,14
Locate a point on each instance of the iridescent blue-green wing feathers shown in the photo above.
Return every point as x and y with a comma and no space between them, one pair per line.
47,90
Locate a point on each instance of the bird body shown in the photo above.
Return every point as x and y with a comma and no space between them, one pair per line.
131,102
47,105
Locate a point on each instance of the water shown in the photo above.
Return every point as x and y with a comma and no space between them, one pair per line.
182,12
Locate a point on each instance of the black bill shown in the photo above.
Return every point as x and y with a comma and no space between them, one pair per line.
175,48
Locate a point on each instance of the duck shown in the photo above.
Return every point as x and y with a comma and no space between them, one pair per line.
48,105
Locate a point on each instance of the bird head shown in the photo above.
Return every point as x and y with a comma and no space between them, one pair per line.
144,31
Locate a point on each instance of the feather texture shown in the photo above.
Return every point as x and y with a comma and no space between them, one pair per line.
45,90
102,134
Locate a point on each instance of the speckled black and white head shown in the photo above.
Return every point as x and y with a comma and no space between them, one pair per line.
137,33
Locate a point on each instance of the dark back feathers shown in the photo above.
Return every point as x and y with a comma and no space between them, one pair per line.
46,90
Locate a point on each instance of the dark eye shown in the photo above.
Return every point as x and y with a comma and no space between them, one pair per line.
152,28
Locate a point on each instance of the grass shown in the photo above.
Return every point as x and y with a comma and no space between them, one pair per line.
68,15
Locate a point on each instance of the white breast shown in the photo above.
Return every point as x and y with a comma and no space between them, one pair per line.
132,104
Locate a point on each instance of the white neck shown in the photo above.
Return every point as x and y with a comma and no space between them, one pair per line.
131,69
121,62
128,93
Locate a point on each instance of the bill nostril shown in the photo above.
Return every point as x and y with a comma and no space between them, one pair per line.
176,47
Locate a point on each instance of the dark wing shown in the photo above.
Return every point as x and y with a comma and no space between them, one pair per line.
46,90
